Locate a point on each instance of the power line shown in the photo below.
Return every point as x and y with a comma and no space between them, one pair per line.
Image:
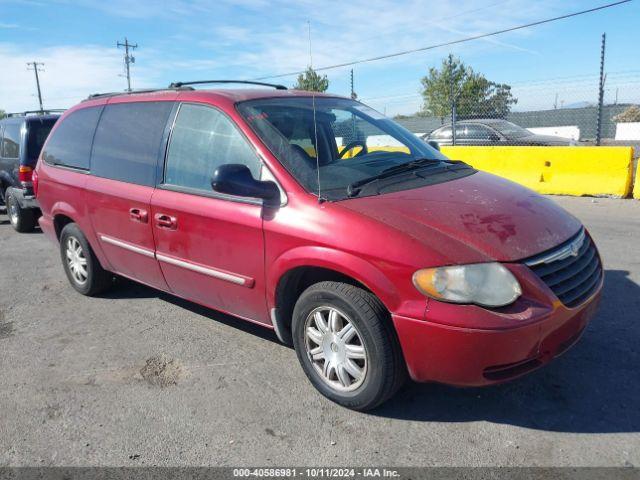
433,21
36,68
616,78
453,42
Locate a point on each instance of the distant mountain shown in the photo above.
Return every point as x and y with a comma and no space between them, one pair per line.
579,105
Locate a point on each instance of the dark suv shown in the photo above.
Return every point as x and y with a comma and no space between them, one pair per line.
21,139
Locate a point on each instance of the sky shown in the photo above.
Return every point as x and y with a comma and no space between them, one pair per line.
182,40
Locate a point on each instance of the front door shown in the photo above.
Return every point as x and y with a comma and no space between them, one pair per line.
210,246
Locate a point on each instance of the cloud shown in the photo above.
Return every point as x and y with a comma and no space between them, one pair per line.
346,31
244,39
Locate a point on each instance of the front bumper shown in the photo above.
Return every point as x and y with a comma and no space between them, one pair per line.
435,352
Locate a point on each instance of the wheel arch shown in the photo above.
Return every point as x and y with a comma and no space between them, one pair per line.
298,269
62,214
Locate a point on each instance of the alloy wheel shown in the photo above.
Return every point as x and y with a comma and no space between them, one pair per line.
76,261
335,348
13,210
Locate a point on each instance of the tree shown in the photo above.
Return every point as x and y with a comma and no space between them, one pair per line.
475,96
2,114
311,81
631,114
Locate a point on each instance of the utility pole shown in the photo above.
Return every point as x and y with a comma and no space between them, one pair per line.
128,59
601,90
353,93
555,103
36,68
452,95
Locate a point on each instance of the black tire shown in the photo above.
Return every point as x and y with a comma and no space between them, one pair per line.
23,220
385,367
97,279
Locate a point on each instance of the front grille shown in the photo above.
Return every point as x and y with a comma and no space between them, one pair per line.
572,270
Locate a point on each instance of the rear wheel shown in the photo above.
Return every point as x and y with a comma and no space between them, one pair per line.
347,346
23,220
80,264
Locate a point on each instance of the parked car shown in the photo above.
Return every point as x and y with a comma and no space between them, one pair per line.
492,132
21,139
388,262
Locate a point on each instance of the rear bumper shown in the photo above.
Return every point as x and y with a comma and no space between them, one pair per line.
46,225
473,357
25,201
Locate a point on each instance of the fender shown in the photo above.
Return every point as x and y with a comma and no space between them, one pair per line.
66,209
339,261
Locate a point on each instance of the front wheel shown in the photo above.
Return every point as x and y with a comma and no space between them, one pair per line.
347,346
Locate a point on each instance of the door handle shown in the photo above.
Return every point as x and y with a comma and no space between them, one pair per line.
166,221
138,215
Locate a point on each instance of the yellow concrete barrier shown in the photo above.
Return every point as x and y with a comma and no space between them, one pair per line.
556,170
636,187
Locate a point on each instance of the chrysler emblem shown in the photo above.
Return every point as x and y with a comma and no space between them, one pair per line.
575,248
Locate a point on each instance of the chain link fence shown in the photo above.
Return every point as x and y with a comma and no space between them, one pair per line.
561,111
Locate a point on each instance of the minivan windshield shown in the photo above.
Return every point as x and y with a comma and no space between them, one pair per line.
341,144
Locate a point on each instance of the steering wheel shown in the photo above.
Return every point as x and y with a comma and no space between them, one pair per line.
352,145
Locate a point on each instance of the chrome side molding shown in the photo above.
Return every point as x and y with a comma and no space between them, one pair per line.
211,272
127,246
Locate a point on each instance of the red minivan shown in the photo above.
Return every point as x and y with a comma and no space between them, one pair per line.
316,216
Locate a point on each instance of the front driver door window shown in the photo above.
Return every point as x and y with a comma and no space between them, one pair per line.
204,138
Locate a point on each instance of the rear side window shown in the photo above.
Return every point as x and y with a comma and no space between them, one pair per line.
204,138
11,141
474,132
443,133
70,143
128,141
36,135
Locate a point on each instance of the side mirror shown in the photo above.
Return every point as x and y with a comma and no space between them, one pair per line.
434,144
236,179
494,137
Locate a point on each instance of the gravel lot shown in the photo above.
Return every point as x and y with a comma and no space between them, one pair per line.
71,391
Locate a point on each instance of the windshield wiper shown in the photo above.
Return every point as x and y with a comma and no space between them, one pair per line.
354,188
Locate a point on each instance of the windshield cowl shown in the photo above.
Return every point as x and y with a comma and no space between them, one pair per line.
421,169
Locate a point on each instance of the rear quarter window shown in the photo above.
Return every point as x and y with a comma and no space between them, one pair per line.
11,141
128,141
70,144
37,133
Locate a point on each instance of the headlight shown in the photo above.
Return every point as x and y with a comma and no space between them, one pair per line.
486,284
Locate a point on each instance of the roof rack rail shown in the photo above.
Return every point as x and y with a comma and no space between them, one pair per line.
93,96
245,82
26,113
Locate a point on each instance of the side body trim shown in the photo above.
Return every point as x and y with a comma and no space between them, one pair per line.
127,246
211,272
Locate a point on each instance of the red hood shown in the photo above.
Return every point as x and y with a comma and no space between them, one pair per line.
499,219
